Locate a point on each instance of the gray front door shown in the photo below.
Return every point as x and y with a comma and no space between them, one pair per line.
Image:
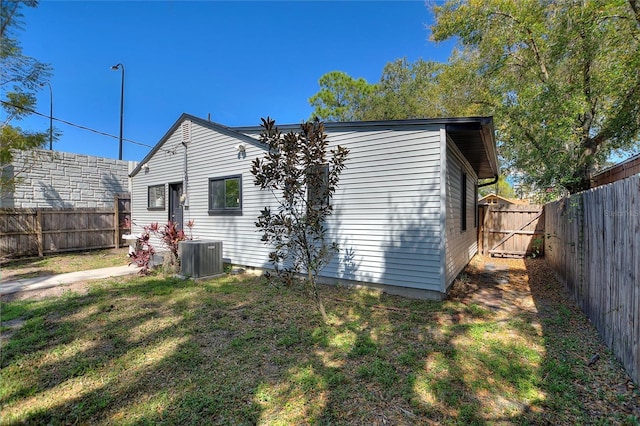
175,206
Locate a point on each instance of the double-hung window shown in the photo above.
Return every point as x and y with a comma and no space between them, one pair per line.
225,195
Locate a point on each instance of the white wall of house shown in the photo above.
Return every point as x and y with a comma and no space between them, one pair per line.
386,217
388,209
210,154
461,245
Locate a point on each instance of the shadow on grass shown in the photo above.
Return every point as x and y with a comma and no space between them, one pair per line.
579,374
26,262
10,270
237,351
126,350
51,264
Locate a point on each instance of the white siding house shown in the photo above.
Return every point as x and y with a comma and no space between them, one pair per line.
398,211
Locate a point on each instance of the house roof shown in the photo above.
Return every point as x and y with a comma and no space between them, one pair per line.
613,173
474,136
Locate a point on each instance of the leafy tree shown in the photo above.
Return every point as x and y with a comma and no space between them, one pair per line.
20,78
340,97
303,179
562,79
423,89
405,90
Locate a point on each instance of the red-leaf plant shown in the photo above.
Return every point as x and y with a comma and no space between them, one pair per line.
170,236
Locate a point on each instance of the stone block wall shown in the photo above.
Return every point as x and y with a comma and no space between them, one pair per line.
65,180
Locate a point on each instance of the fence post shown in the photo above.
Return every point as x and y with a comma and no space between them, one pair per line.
39,232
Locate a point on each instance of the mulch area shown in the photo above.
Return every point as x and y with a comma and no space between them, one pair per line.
501,284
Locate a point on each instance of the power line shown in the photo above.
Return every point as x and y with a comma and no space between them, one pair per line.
74,125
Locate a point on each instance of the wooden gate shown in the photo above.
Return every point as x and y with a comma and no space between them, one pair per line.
511,230
122,207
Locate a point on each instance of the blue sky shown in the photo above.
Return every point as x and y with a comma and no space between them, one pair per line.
238,61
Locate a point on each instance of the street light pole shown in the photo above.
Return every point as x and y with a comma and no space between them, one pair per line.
116,67
50,114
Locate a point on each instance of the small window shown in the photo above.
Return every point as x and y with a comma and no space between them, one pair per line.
225,195
155,198
317,186
463,202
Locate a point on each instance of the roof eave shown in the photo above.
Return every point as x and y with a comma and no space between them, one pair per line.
379,123
488,138
475,139
485,123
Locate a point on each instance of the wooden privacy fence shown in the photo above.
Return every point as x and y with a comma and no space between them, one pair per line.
511,230
593,244
40,231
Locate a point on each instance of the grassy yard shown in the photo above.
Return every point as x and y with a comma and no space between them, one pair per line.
236,350
13,269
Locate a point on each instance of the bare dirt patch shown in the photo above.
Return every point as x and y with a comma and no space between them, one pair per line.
79,288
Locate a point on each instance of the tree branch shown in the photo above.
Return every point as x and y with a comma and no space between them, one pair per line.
8,19
588,117
532,43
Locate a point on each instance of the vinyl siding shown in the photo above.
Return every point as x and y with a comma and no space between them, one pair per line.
387,207
210,154
163,168
460,246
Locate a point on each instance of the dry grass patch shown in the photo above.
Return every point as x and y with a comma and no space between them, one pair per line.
237,350
14,269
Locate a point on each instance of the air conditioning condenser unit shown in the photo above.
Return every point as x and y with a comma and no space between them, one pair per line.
200,258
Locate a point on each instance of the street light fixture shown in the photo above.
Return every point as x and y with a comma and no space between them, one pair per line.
50,113
115,68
